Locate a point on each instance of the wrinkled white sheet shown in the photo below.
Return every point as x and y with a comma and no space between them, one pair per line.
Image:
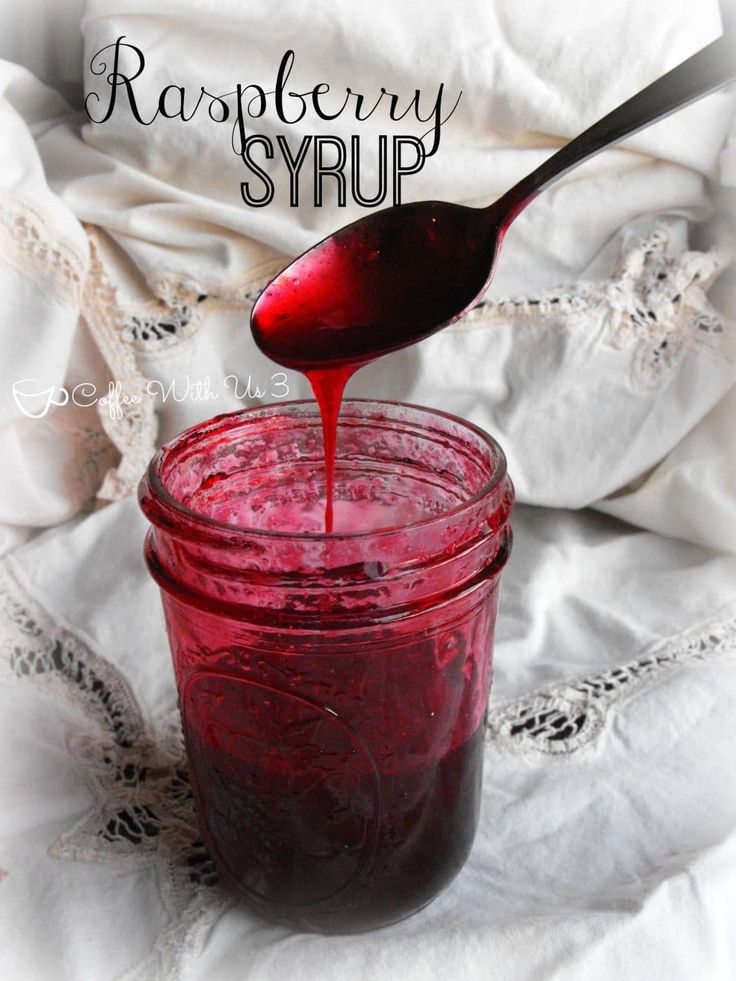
610,856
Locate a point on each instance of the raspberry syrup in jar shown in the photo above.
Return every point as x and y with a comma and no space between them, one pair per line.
332,686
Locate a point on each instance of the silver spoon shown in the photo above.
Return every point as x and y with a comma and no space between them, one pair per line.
400,274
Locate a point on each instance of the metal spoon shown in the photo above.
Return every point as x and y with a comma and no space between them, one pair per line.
400,274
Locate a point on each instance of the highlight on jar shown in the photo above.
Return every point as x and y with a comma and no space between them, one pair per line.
332,685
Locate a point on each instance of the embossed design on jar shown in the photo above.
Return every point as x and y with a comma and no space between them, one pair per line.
283,786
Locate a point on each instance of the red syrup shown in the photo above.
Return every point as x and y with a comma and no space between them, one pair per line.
315,825
328,385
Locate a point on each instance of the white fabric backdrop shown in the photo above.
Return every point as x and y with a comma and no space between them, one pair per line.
609,854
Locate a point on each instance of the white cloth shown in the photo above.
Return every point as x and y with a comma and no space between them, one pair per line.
599,359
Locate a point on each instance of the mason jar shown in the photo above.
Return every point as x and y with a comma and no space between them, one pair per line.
332,687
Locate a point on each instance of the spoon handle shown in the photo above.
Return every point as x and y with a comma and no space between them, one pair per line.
710,68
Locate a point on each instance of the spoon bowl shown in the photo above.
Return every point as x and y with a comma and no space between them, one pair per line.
385,281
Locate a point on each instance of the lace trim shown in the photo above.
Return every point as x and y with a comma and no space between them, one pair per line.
160,325
94,456
143,811
563,718
29,245
656,303
176,291
178,311
179,307
133,428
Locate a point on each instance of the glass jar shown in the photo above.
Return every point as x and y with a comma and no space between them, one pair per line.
332,687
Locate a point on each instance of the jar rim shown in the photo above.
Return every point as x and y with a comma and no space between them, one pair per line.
169,507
